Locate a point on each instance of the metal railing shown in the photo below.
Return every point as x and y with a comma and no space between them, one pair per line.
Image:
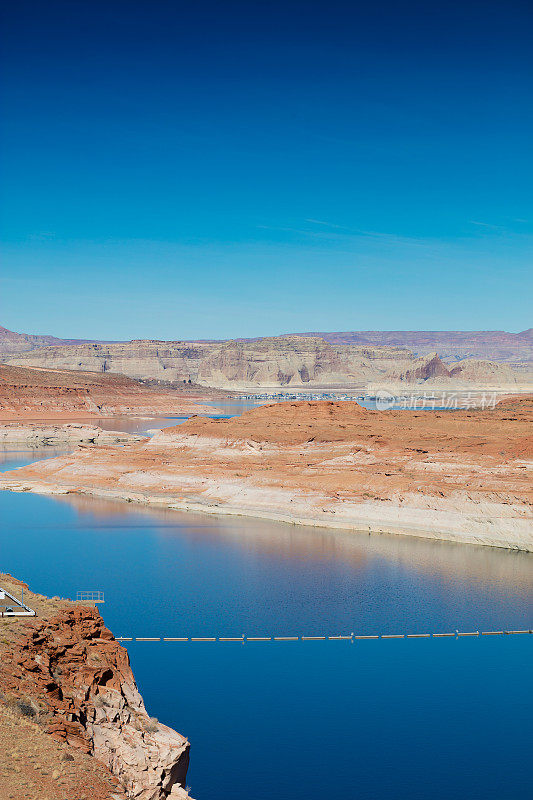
90,596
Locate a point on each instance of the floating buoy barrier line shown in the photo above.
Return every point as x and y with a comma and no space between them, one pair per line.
352,637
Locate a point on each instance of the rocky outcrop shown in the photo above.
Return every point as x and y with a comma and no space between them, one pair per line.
38,435
474,372
168,361
296,361
423,369
481,371
37,393
69,669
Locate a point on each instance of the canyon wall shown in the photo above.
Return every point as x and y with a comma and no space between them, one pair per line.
293,361
512,348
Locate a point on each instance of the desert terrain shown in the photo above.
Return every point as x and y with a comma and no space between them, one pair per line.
34,393
463,476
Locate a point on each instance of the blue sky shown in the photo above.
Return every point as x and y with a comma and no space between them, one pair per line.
181,170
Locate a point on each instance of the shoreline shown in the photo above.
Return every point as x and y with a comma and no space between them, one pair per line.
32,436
517,541
16,417
463,477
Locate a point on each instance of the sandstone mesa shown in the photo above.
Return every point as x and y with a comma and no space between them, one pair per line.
282,361
512,348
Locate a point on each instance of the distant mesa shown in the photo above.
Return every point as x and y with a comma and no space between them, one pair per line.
451,345
321,361
11,342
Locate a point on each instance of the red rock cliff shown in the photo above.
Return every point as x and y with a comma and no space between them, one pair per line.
79,678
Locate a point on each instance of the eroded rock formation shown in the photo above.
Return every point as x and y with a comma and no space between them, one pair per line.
39,435
513,348
285,361
37,393
67,666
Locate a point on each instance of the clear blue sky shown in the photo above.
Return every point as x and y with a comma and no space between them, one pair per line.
218,169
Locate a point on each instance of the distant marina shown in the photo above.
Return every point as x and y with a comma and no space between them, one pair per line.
385,400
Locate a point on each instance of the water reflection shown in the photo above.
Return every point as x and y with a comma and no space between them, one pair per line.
507,570
13,459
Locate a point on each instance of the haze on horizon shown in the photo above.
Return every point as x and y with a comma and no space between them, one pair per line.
182,171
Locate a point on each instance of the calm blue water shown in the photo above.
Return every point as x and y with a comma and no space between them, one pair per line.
379,720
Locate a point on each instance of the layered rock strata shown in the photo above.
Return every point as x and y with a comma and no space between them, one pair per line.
36,393
74,680
285,361
513,348
28,435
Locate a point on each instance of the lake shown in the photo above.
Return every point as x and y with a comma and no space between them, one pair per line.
379,720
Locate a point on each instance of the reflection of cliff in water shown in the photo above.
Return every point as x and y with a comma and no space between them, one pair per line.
12,458
489,567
